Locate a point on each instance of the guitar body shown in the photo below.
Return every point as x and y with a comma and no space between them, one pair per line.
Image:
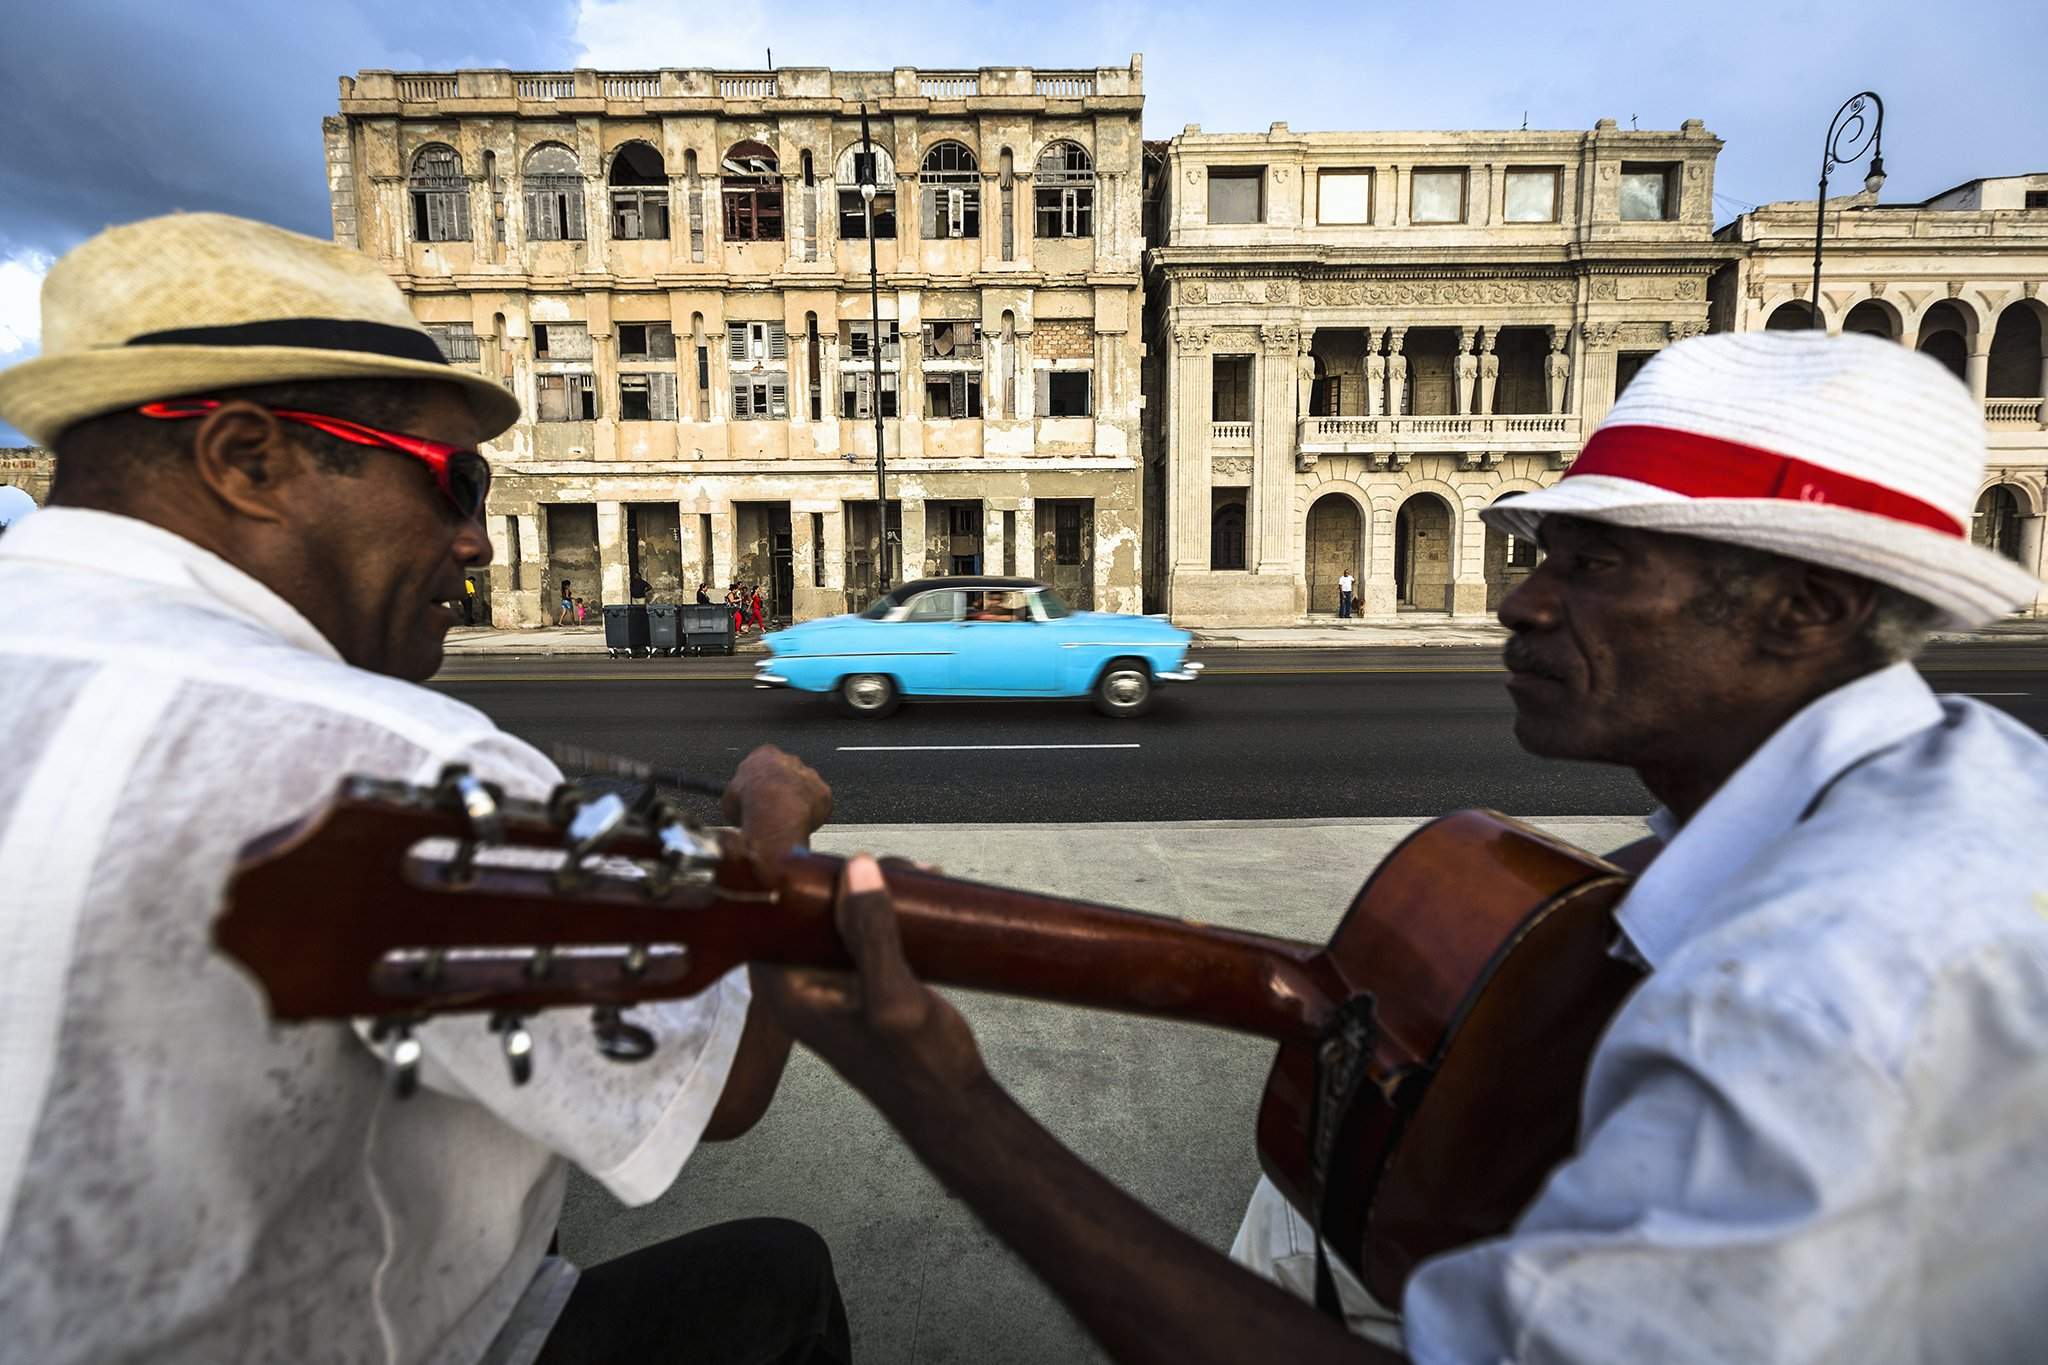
1485,947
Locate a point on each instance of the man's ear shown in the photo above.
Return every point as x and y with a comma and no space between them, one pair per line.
1815,610
243,458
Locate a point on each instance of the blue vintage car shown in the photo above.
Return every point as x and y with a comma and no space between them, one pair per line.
978,637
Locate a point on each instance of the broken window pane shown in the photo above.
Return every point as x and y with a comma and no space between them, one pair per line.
440,195
1066,393
1645,192
853,218
1437,196
561,341
1063,192
951,181
1344,196
1531,196
647,397
639,181
565,397
953,341
553,188
952,396
457,341
647,341
1237,194
752,194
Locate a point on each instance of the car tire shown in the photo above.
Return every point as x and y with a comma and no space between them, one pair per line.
1124,689
869,696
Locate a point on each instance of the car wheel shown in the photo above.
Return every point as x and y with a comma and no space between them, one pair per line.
1124,689
869,695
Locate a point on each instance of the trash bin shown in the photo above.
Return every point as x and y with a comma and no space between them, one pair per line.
707,628
625,630
661,629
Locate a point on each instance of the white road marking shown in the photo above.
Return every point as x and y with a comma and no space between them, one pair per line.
928,748
1998,694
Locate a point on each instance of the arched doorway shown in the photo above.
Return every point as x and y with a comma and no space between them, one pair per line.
1422,553
1336,546
1226,528
1508,561
1871,318
2015,366
1795,316
1995,524
1945,335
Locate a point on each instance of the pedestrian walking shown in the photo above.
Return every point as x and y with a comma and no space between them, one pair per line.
703,594
468,601
755,612
581,608
1346,586
568,607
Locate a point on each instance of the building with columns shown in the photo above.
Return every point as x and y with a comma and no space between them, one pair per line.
1359,340
670,269
1959,276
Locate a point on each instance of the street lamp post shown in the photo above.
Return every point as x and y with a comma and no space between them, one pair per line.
868,175
1848,135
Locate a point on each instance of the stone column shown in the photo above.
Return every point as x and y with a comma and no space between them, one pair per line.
2042,389
690,548
1375,372
992,539
1276,437
2030,557
1027,536
803,553
1382,595
611,552
1466,595
1557,368
1596,373
1397,369
1465,374
1187,457
913,539
1977,369
1489,371
1021,383
724,537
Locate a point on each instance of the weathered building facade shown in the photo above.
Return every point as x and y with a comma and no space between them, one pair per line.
1359,340
670,269
1959,276
29,468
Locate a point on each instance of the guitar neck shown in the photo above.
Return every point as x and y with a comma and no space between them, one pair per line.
961,933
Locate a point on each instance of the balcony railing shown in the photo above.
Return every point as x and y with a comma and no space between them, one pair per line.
1538,430
2010,412
959,350
746,87
632,85
949,87
426,87
1063,87
1230,433
551,87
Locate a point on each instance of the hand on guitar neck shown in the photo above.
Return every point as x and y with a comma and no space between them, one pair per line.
1148,1291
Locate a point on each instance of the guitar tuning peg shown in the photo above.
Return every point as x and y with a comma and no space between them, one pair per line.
619,1039
518,1044
401,1056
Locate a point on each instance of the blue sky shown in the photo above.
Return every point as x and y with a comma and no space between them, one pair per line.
118,109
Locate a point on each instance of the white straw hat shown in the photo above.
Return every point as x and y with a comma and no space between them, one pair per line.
179,306
1847,451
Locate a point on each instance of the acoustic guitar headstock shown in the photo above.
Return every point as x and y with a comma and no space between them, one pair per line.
397,902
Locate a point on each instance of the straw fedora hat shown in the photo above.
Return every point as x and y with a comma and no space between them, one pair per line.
1848,451
182,305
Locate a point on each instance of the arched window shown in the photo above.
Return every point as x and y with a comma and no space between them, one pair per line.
1063,191
856,165
1226,531
752,193
440,195
951,180
1794,315
639,190
553,185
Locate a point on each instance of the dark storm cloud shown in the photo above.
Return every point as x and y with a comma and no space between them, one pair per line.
114,110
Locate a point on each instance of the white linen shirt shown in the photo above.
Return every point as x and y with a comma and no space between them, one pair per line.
1819,1130
180,1180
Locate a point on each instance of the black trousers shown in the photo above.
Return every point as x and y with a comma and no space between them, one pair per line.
759,1291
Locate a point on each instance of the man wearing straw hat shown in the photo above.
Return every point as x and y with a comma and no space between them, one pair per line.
267,493
1817,1130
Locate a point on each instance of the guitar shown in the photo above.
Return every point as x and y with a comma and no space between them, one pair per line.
1430,1059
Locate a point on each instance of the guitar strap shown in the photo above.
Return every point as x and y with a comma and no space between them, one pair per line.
1340,1065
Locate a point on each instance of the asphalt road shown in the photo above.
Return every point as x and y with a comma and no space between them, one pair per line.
1266,734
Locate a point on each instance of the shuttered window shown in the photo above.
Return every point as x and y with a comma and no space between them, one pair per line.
756,343
566,397
952,396
855,390
760,398
649,397
440,196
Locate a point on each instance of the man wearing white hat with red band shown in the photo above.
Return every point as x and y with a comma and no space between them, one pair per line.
1817,1130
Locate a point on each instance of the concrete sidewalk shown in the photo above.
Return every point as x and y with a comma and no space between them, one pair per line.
1165,1110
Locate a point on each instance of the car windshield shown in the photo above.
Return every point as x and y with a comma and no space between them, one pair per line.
1049,603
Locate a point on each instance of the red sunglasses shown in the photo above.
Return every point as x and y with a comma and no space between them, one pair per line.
463,475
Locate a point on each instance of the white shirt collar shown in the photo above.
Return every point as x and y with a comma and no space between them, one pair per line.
125,547
1772,791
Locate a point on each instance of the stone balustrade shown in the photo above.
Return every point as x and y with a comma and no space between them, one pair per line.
1507,431
478,89
2009,412
1230,433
